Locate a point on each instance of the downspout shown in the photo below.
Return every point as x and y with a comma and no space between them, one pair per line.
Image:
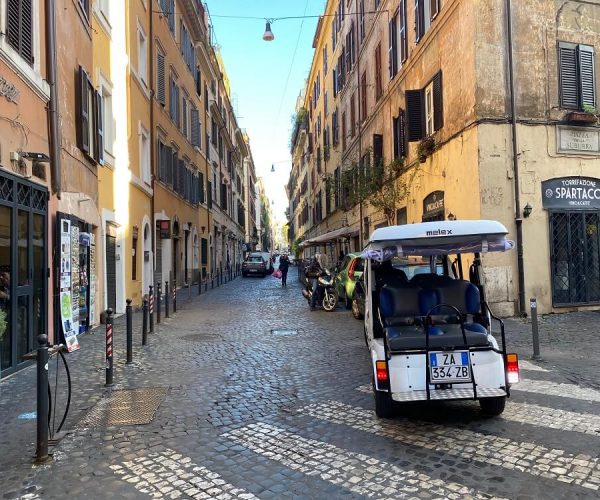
513,122
55,167
358,105
152,146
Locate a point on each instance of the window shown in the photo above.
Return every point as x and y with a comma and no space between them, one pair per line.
398,130
361,19
108,122
142,69
335,128
145,155
187,47
424,109
19,19
85,6
90,125
352,115
324,60
350,48
377,151
325,105
402,35
425,12
577,83
198,81
174,101
378,79
393,46
184,116
195,127
363,96
344,130
160,78
165,162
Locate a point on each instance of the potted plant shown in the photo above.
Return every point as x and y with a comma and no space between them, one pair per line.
425,147
589,115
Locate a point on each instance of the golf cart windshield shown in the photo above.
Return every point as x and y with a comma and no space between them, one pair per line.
437,238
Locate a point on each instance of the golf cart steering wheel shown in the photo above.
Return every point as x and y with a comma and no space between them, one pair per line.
449,306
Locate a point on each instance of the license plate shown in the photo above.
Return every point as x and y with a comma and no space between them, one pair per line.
449,367
252,270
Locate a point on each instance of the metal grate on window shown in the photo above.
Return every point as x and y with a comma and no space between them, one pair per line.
6,189
38,200
24,195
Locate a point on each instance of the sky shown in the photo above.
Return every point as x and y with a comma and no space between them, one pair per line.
267,77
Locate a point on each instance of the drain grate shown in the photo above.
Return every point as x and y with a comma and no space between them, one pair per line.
200,337
284,333
126,407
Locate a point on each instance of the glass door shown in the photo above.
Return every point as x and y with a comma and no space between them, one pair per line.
6,359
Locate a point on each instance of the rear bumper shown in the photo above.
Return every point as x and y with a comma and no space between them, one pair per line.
447,394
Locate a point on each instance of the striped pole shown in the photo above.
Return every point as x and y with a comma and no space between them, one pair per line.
109,347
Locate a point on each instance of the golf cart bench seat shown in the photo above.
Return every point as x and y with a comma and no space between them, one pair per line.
403,311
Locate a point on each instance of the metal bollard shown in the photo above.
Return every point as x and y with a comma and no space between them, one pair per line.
534,329
144,321
166,299
129,330
174,296
109,347
158,299
199,284
212,280
151,308
41,450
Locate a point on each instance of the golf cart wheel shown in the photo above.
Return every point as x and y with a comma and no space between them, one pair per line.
355,310
493,406
384,405
330,301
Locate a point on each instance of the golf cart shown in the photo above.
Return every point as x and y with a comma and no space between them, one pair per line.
430,337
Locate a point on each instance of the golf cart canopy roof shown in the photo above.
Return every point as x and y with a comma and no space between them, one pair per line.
437,238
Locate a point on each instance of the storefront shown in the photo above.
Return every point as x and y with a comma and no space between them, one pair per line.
573,205
433,207
23,267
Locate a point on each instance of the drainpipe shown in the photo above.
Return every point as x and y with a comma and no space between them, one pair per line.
361,235
152,145
55,169
515,158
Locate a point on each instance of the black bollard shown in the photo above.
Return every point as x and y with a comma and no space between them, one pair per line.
109,347
166,299
144,321
158,299
212,280
199,284
41,451
174,296
534,329
151,308
129,330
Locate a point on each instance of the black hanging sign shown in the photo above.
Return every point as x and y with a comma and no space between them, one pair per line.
433,204
573,193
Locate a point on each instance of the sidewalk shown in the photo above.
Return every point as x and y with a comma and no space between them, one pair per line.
87,367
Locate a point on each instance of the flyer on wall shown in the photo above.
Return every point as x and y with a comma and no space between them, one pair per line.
66,308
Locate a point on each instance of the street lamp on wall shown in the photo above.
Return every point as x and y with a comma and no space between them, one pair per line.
527,209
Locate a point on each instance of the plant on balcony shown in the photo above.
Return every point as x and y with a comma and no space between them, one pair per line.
589,115
426,147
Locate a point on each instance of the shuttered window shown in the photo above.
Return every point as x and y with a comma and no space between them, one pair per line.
414,110
198,80
402,34
195,126
398,126
393,46
363,96
184,117
378,77
419,19
352,116
434,8
160,78
438,105
201,187
577,79
99,149
19,27
424,116
377,150
90,118
209,193
84,111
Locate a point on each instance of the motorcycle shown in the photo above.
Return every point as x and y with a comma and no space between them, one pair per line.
329,297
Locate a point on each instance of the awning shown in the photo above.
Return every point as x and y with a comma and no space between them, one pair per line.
330,236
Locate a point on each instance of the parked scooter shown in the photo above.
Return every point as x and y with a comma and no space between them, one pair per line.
328,295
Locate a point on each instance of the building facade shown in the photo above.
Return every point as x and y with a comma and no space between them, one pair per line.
417,101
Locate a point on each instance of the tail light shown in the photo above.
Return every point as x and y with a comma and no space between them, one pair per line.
512,368
351,269
381,372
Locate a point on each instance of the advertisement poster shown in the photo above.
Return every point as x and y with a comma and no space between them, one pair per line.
66,309
75,277
92,279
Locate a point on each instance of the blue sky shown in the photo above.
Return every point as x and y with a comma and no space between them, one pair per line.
258,72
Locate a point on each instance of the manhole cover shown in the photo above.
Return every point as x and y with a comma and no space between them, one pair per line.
284,333
126,407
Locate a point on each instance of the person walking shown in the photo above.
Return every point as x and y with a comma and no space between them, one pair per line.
312,272
284,266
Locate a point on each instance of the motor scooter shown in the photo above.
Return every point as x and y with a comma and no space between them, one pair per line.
328,295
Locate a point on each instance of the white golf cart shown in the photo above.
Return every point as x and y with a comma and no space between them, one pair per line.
430,337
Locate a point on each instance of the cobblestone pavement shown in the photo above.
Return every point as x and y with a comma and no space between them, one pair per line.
260,398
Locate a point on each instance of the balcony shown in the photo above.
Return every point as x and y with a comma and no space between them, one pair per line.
195,14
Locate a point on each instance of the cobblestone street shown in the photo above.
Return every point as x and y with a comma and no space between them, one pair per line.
258,397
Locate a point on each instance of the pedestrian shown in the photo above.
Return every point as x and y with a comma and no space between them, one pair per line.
312,272
284,265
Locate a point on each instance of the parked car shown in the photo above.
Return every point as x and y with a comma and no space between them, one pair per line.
254,265
347,273
266,257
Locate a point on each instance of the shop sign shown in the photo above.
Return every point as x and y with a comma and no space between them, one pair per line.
8,90
164,227
573,193
584,140
433,204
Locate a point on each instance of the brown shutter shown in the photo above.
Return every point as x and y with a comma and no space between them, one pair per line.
19,18
434,8
84,111
419,19
438,102
415,112
99,128
198,81
403,146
